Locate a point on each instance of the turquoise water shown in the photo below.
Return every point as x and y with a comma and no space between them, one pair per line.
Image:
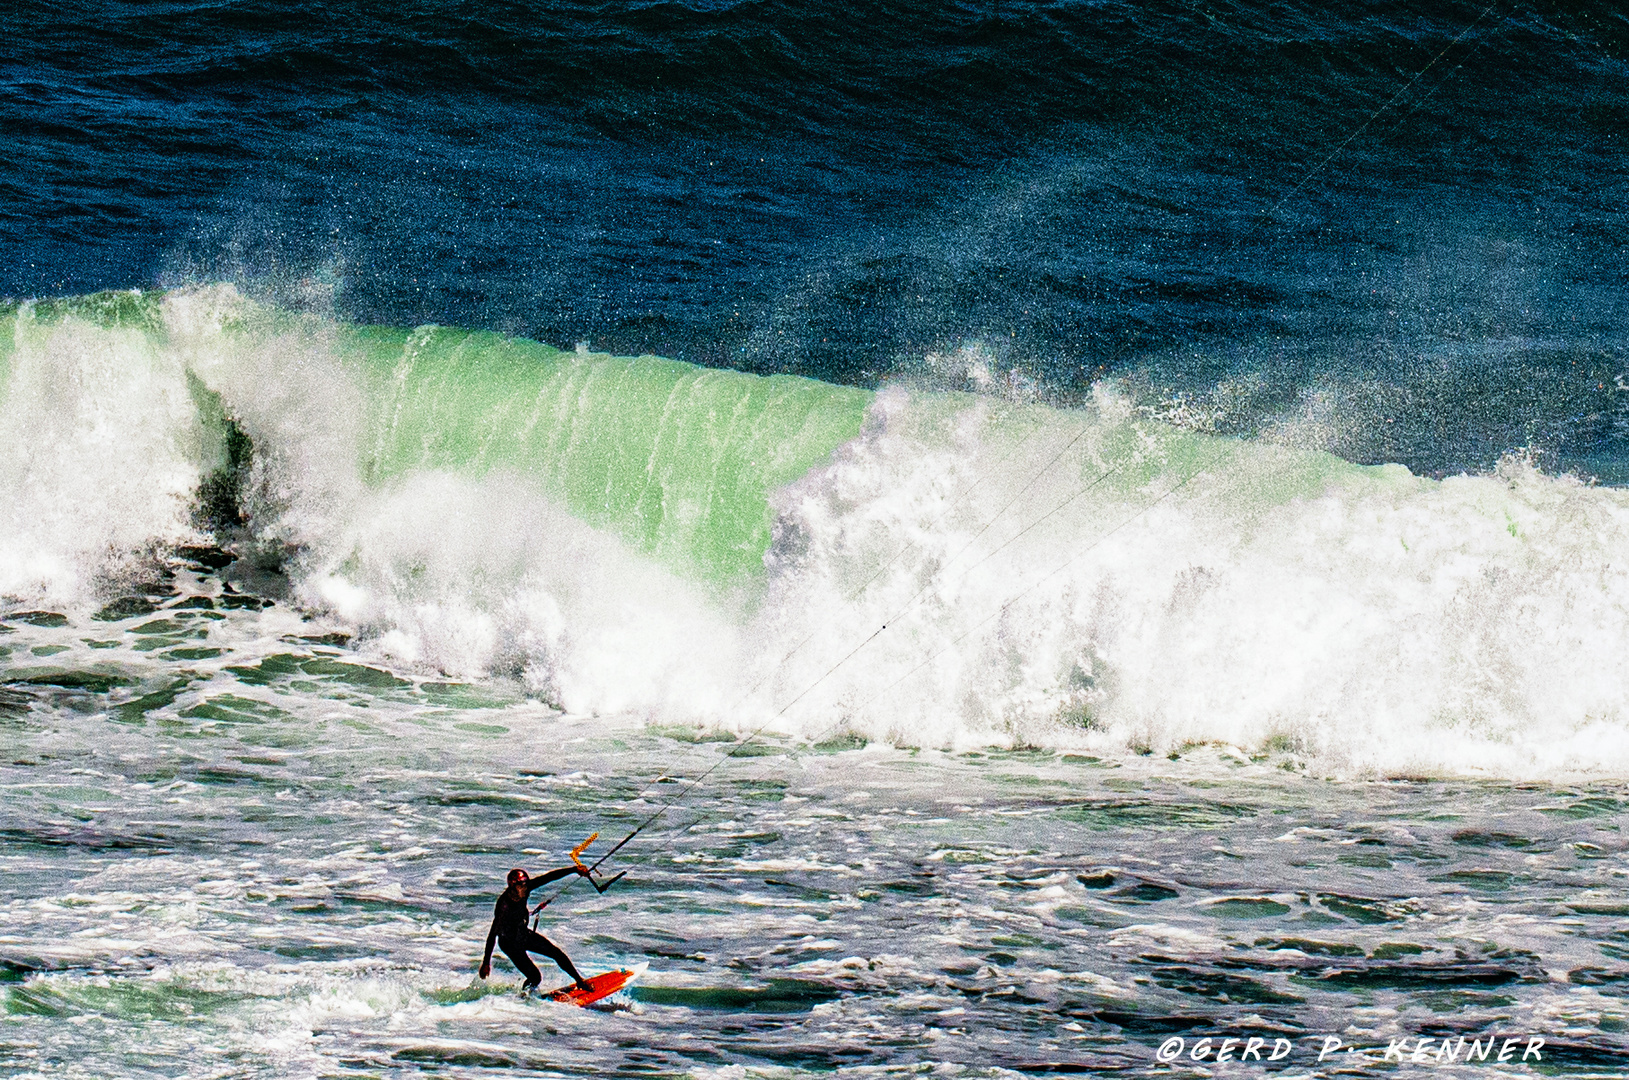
676,460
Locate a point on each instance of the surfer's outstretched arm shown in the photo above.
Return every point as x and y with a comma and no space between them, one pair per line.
553,876
491,940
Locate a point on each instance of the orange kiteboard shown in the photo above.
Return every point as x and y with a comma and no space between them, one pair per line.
600,986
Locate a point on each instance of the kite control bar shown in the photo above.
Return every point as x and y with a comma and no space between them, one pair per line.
588,873
578,850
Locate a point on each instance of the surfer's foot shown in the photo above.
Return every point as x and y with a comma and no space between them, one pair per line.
582,984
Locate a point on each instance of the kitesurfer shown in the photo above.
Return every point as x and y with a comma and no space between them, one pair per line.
511,934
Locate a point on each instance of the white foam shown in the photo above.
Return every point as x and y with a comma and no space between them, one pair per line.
1365,620
477,576
1090,578
99,456
463,575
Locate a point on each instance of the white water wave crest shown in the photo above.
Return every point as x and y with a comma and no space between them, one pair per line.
1151,589
968,570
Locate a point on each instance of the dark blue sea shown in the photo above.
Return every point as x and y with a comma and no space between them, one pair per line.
1069,537
1412,210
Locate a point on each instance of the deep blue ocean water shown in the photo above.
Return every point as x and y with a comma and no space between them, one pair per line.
1411,213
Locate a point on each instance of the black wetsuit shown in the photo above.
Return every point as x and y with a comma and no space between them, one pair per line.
516,939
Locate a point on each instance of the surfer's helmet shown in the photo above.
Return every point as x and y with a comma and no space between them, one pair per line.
516,876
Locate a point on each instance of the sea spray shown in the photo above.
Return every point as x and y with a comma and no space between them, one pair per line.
1154,589
100,449
474,577
923,567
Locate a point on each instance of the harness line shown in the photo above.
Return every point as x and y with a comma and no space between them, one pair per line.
831,670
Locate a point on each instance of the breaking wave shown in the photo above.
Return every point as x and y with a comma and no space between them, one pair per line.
927,567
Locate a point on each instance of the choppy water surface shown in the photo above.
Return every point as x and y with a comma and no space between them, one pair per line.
232,847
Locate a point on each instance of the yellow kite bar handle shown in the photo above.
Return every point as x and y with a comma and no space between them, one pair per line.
589,874
578,850
575,852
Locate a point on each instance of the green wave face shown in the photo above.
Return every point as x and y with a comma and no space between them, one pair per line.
677,460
